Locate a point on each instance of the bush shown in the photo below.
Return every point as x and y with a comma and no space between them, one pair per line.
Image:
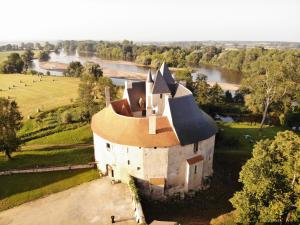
67,117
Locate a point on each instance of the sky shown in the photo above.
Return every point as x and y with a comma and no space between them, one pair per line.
151,20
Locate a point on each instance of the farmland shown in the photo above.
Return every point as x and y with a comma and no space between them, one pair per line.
33,93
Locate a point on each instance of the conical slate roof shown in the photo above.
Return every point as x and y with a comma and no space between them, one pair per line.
167,74
160,85
190,122
149,77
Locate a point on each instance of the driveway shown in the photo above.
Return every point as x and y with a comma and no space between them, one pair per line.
89,203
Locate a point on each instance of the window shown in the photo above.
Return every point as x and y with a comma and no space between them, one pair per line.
196,147
128,162
108,146
195,171
138,168
155,147
160,96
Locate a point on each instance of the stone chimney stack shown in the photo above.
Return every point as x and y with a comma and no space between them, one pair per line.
107,96
128,84
152,124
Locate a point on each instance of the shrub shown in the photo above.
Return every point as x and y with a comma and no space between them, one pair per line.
67,117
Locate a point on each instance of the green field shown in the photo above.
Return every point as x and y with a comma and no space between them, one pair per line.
49,93
81,135
21,188
240,137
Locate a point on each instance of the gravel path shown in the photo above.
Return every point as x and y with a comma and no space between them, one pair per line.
89,203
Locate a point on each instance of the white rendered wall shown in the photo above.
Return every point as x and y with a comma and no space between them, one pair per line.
145,163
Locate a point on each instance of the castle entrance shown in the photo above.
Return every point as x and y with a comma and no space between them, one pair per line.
109,171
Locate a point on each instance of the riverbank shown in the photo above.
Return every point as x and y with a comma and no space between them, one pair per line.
121,74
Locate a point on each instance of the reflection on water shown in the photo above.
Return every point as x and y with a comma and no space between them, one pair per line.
213,74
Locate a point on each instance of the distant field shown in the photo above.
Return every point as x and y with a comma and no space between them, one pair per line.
21,188
46,94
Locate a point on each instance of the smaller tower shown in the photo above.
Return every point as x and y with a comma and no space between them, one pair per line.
149,87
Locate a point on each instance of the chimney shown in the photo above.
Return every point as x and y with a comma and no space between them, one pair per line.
152,124
128,84
107,96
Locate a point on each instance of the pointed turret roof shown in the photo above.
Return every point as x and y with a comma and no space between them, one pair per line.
149,77
164,69
160,85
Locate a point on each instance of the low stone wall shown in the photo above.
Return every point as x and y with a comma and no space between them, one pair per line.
138,210
49,169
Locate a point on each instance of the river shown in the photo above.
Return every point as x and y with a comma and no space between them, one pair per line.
213,74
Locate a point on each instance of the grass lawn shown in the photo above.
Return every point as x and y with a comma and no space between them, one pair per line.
20,188
45,94
240,137
46,157
76,136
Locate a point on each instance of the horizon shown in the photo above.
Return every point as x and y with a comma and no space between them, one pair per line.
141,21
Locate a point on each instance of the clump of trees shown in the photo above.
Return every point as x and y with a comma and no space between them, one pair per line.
92,90
16,63
74,69
271,182
10,122
13,64
274,91
43,56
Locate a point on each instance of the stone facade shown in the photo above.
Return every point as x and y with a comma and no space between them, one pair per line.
170,164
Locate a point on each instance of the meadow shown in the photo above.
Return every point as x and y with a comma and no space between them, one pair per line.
33,93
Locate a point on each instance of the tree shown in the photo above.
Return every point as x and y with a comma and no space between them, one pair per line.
27,58
10,122
92,91
74,69
186,76
268,90
201,89
13,64
93,69
271,188
216,95
43,56
228,97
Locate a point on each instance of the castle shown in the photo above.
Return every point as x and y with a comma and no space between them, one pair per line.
158,135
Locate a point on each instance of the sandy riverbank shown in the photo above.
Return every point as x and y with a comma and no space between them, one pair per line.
123,74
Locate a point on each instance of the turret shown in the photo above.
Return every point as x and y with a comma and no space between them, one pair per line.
149,87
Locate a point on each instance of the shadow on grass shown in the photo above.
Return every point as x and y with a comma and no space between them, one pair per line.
17,183
46,158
